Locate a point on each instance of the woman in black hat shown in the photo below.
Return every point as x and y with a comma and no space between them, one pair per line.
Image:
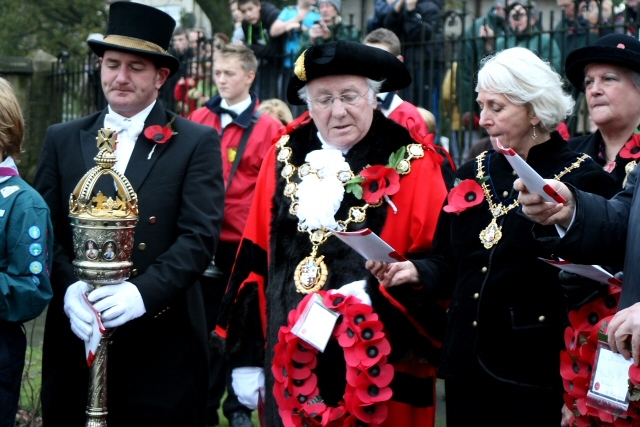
609,75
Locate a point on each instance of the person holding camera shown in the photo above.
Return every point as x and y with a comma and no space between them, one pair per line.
293,21
329,28
522,31
572,32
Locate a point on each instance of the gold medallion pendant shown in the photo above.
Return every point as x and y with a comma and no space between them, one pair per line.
491,235
311,274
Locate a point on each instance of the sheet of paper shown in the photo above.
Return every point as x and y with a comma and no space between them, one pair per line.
316,324
593,272
91,346
611,376
369,245
531,179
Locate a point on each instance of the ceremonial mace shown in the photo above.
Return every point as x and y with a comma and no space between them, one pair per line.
103,229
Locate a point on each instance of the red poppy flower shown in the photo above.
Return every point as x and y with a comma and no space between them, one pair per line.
572,367
368,392
302,352
466,194
370,330
370,352
631,149
306,387
634,374
381,373
375,413
578,387
589,315
379,181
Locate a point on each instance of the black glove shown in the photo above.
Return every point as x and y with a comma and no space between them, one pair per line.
579,290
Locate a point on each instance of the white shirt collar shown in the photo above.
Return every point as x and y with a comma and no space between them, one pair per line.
142,115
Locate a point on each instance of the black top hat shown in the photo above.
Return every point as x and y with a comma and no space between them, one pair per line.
615,49
345,57
141,30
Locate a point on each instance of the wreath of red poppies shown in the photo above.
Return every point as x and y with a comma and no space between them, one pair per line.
577,361
360,333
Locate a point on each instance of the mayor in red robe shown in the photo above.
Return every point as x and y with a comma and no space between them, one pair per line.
302,192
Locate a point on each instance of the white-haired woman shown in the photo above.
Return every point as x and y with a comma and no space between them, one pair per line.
507,315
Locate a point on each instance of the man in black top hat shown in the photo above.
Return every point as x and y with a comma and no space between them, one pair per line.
286,250
157,356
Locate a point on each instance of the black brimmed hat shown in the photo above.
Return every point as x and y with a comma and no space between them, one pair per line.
141,30
615,49
347,58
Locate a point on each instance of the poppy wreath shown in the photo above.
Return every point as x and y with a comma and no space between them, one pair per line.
360,333
577,361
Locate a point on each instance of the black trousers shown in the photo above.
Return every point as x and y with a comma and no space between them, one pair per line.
219,373
13,345
481,400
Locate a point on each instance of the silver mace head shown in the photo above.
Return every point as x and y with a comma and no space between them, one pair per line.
103,226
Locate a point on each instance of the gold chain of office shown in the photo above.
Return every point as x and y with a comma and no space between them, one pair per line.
312,272
492,234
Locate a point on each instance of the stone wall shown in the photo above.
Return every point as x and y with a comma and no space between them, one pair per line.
30,78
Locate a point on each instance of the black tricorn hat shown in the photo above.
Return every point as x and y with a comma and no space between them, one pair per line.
141,30
347,58
616,49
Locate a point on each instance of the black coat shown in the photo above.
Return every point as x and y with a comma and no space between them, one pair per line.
593,145
507,310
157,364
604,232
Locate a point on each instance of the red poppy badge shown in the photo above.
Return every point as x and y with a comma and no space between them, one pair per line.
464,195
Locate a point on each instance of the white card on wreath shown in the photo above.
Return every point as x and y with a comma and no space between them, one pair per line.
316,323
531,179
593,272
369,245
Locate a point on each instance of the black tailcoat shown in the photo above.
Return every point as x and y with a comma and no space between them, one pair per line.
157,364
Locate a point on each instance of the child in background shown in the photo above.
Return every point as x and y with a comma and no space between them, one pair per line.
277,109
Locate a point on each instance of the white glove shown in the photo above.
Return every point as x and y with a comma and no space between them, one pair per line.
248,384
81,318
117,303
356,289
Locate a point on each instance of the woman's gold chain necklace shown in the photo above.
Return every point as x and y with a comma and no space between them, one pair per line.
492,234
312,272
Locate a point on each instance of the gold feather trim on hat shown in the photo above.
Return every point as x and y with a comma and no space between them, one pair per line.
134,43
299,70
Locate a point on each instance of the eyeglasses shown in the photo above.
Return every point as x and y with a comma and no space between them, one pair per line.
349,98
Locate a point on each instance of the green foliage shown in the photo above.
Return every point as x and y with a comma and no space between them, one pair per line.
397,157
187,19
354,186
51,25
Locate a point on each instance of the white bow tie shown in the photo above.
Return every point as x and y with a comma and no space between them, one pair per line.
119,123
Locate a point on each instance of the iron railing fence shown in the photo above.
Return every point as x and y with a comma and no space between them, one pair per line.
443,70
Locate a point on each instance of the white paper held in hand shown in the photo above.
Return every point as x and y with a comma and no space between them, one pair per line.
369,245
531,179
593,272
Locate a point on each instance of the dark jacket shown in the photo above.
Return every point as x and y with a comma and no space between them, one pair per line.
593,145
419,25
507,311
260,42
157,363
471,53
